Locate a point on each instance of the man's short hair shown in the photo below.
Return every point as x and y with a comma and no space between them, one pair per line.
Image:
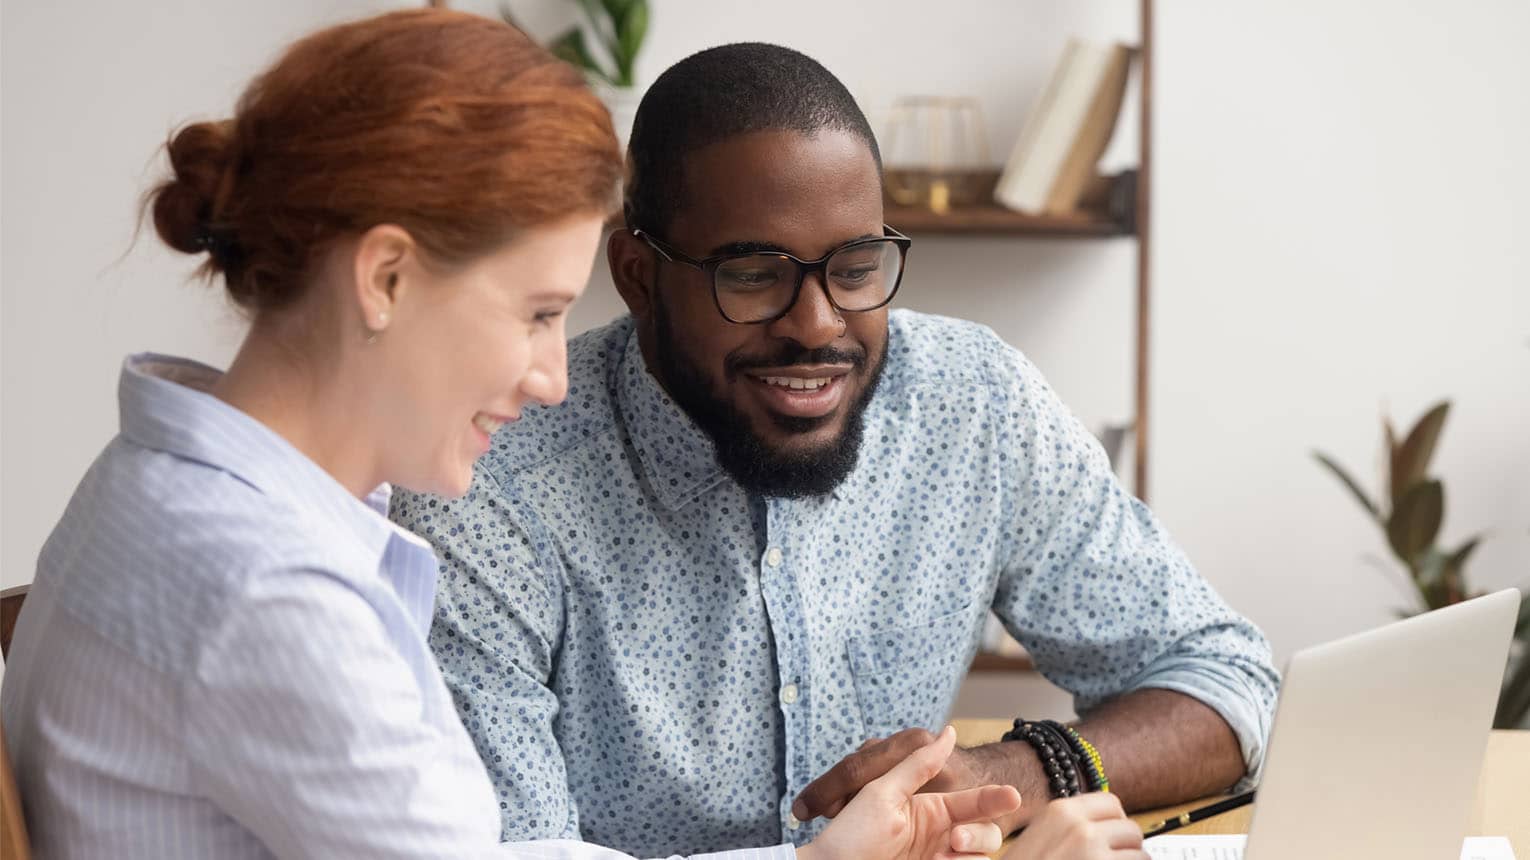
718,94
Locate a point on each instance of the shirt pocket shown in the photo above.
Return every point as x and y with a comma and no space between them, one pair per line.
907,677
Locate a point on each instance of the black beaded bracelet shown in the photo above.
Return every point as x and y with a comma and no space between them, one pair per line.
1085,754
1057,758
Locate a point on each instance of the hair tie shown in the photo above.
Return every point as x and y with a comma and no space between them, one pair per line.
223,249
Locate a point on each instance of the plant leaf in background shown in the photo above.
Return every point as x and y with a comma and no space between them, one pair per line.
618,28
1514,703
570,48
603,23
1416,520
1393,490
616,8
632,28
1410,460
1412,527
1349,482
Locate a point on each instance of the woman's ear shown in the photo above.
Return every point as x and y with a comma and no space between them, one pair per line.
379,273
633,270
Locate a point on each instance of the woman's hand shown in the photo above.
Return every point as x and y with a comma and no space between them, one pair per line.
888,821
1087,827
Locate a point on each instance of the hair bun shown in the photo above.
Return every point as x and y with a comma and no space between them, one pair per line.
185,206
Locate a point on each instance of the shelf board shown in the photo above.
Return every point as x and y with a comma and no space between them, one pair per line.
1106,209
986,662
994,220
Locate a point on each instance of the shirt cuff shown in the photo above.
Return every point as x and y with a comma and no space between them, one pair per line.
1226,692
779,852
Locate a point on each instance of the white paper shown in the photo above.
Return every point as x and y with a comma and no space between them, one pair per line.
1487,848
1231,848
1195,847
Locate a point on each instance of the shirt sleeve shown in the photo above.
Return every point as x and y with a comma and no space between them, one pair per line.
304,723
566,849
498,622
1097,591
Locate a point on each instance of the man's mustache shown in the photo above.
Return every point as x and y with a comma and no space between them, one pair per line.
793,353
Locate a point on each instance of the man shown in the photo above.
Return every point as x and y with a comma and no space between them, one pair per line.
743,570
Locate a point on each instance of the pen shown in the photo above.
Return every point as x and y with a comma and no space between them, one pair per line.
1194,815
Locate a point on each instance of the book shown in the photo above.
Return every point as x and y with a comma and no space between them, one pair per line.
1089,144
1064,134
1008,188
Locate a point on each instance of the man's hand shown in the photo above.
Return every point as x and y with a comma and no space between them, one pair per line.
887,820
829,793
1012,764
1087,827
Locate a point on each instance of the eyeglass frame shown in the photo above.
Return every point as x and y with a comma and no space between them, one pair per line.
709,266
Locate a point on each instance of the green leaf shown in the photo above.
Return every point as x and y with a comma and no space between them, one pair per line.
617,9
570,48
604,26
1416,520
1410,460
629,38
1349,482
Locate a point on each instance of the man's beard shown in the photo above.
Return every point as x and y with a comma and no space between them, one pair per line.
741,452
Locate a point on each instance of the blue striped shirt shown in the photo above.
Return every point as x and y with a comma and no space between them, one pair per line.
223,655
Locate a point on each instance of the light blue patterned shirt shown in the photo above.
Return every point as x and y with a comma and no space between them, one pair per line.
223,655
650,657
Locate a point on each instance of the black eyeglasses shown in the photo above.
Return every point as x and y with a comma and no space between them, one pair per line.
762,286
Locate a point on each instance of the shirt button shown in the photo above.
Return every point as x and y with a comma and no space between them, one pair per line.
773,556
791,822
789,696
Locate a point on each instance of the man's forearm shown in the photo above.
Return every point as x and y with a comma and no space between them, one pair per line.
1159,747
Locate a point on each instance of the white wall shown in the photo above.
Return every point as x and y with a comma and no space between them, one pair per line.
91,90
1336,233
1342,230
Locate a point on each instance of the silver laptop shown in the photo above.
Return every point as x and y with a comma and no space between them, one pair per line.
1379,737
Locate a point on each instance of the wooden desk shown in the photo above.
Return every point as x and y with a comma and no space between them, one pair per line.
1502,807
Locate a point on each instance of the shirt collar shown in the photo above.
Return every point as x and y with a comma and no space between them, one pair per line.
165,406
677,456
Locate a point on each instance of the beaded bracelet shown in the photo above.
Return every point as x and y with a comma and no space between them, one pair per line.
1088,757
1057,758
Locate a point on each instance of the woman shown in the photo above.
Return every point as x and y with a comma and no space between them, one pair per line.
223,653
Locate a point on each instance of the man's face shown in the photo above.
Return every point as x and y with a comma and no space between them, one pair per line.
752,387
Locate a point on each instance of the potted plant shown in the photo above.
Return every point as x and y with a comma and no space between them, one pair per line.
1410,514
604,44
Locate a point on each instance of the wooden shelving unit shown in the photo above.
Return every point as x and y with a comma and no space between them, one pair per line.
990,219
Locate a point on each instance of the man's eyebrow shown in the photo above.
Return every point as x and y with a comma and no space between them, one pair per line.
747,247
752,247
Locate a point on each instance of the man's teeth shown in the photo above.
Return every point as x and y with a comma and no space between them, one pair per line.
797,382
486,424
